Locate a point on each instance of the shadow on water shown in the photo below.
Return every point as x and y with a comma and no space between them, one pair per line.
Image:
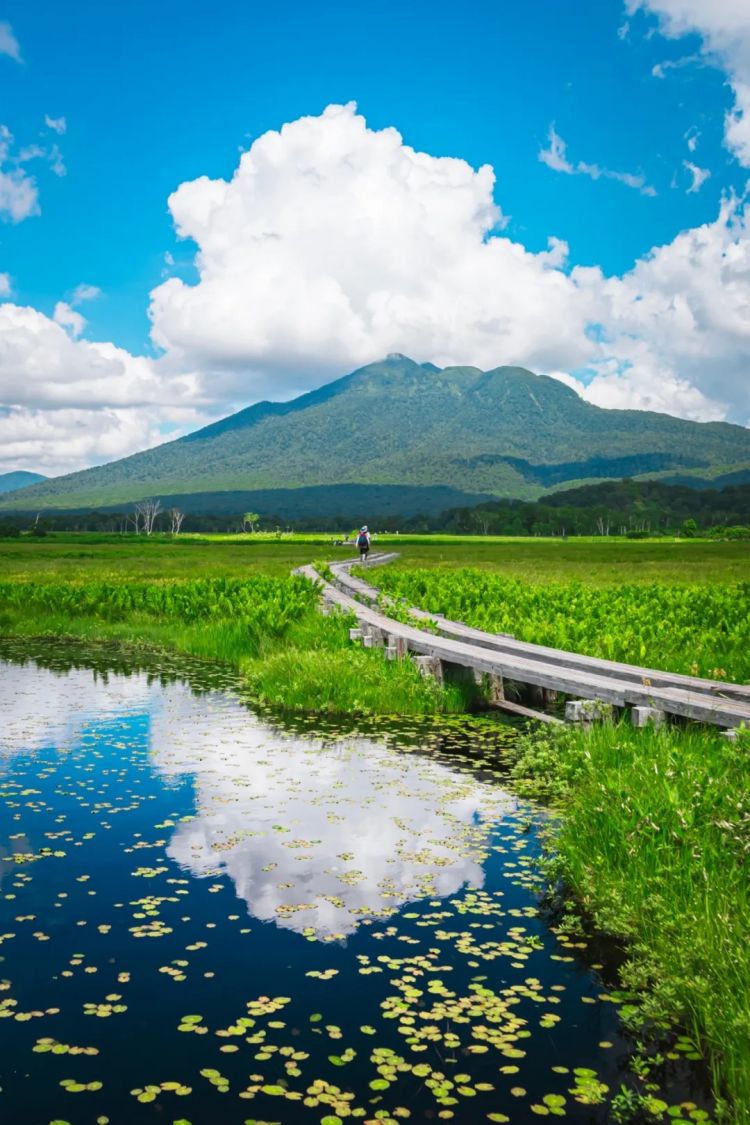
210,915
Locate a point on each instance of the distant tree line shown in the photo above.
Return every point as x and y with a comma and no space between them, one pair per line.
637,509
634,508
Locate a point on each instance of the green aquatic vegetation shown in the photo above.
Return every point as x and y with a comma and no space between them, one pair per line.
404,868
262,603
654,839
291,656
693,629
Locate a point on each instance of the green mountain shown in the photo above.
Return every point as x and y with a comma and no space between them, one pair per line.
10,482
505,432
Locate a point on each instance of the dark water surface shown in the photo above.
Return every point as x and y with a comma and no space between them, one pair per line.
206,917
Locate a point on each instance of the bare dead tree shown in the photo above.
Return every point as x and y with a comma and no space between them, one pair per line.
147,511
175,520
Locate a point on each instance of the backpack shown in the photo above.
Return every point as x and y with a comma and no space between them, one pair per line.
363,542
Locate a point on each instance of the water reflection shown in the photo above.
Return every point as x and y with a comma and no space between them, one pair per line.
128,803
53,708
318,835
315,834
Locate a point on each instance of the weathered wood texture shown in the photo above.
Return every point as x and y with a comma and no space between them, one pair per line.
649,677
727,705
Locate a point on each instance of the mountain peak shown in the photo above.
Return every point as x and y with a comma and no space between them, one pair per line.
398,423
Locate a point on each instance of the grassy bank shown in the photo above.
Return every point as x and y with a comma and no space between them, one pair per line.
266,627
654,841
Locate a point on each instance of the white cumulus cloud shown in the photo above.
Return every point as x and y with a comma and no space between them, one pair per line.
334,244
66,403
68,318
676,327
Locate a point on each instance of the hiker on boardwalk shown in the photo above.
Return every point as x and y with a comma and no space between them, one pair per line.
363,543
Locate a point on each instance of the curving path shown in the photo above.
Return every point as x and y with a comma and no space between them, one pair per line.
448,646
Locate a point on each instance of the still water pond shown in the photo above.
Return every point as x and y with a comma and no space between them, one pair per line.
207,918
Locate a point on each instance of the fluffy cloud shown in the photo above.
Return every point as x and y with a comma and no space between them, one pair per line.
67,317
67,403
18,195
724,26
676,328
334,244
555,157
698,176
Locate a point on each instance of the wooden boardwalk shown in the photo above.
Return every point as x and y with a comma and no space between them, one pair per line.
447,647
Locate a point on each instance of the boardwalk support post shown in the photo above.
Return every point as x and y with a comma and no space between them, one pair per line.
430,666
644,716
355,634
587,711
492,686
396,647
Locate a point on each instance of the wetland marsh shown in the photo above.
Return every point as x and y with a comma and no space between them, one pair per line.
208,916
150,688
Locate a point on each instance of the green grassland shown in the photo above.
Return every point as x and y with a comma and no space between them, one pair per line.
597,561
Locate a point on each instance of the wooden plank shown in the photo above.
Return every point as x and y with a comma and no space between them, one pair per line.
572,681
502,643
526,712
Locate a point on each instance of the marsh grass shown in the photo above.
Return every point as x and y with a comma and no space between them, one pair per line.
316,668
268,628
654,841
598,562
693,629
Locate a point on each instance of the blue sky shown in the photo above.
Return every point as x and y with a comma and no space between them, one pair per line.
158,95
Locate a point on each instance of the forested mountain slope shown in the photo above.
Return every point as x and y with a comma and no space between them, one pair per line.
505,432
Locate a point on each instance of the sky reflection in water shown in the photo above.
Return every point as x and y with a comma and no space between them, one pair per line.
349,923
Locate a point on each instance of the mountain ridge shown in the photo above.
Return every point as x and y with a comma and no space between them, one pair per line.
502,432
11,482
